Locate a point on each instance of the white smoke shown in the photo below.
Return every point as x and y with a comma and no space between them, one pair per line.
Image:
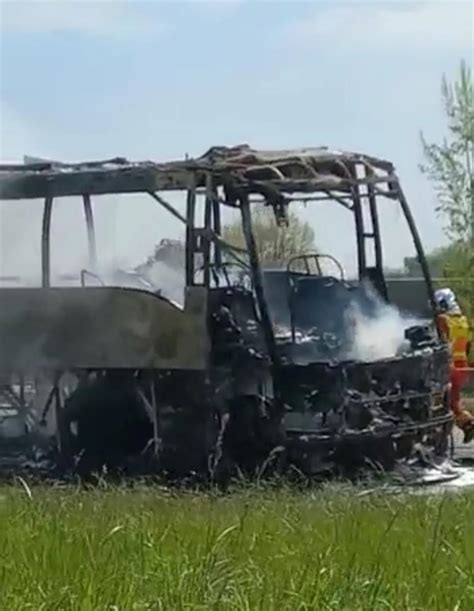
170,281
157,277
381,334
370,330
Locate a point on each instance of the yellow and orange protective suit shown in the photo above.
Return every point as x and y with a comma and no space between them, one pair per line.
455,329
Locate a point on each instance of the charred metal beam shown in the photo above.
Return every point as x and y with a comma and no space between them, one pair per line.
45,243
216,209
232,250
95,181
190,219
30,162
91,242
47,405
208,229
375,228
306,170
418,247
371,433
22,389
62,432
340,199
377,241
257,279
100,181
359,224
86,272
168,207
7,390
289,186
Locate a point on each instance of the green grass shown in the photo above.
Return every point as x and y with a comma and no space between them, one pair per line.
122,549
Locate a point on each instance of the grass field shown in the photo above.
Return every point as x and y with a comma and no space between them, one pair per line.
122,549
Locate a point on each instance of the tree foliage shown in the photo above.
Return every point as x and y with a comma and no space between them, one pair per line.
450,165
275,244
455,260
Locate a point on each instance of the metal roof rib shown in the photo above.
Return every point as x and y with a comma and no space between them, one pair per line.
289,171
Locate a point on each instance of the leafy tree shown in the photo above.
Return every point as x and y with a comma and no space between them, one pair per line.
275,244
451,261
450,165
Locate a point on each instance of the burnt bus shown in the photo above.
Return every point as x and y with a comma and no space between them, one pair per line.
255,368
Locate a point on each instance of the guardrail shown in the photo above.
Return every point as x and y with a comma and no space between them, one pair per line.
410,294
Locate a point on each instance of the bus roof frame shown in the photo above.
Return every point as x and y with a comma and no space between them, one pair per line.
283,173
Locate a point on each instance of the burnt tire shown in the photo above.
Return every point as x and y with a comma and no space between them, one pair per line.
111,425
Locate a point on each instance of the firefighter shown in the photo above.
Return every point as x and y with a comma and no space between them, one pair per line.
454,326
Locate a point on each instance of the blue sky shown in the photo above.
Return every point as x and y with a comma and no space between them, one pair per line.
157,80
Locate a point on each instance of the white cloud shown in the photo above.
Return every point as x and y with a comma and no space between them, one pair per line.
112,18
445,24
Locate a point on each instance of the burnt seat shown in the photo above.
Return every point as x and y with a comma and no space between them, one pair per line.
320,303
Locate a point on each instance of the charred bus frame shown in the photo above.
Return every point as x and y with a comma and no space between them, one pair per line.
238,177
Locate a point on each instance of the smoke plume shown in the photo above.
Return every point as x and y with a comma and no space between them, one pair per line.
378,333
